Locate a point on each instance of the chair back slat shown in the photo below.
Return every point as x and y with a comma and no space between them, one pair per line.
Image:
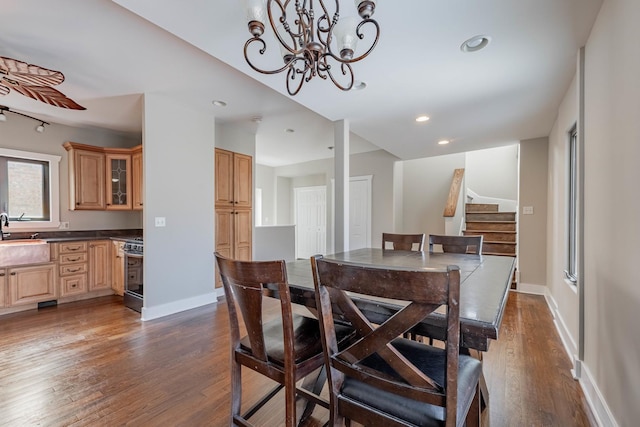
403,242
457,244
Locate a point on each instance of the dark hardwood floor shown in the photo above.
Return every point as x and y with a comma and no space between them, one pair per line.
94,363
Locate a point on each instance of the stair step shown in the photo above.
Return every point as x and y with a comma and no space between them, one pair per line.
490,216
501,248
493,235
491,225
481,207
496,253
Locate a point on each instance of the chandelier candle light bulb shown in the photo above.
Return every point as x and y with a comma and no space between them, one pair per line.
311,46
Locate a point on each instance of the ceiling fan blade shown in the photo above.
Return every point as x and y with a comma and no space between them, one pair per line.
4,90
29,74
48,95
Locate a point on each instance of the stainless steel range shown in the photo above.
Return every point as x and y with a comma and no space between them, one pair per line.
133,274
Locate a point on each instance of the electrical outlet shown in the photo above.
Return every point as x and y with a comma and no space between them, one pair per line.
161,221
64,225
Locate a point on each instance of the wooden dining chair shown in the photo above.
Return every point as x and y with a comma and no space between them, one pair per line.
403,242
383,379
457,244
285,349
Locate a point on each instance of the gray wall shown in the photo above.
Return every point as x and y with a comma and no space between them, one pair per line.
609,374
179,186
17,133
532,231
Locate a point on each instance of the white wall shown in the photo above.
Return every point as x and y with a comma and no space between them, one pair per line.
378,163
426,183
266,180
179,186
612,207
502,181
610,371
18,133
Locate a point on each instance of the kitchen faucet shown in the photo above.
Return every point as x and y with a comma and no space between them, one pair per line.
4,220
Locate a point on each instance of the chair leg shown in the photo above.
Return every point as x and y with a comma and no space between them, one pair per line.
473,418
290,400
236,388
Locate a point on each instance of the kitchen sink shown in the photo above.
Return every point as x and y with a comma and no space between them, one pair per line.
23,251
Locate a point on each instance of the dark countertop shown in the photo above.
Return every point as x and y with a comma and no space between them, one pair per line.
70,236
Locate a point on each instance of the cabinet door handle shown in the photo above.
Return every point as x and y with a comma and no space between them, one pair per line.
74,271
75,259
13,274
1,274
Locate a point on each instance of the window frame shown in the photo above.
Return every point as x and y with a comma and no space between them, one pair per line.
53,193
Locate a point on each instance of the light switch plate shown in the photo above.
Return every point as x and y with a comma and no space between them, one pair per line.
161,221
527,210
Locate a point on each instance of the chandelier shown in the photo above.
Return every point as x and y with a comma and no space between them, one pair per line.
310,47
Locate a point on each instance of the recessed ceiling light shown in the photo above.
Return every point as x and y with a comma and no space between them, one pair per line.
289,130
219,103
443,142
421,119
475,43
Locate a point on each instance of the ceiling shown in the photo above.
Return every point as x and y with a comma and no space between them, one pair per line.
112,52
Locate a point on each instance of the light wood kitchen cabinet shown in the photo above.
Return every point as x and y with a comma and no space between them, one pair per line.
117,271
118,180
3,288
104,178
86,176
234,179
32,284
99,264
234,199
73,262
137,181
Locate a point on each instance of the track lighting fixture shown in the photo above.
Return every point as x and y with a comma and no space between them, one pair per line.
3,118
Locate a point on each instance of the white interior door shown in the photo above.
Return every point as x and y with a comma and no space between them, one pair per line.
311,220
360,212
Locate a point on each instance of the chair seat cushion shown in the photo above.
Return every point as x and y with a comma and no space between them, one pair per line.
307,342
431,361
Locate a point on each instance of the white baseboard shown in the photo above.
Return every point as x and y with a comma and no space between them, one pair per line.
150,313
598,405
529,288
580,371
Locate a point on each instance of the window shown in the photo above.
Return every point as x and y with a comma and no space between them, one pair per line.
571,271
29,189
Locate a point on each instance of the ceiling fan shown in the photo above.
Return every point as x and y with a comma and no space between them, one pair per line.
35,82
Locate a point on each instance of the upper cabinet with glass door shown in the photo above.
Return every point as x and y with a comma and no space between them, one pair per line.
104,178
118,180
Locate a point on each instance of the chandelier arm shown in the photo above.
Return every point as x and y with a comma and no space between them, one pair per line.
291,76
262,50
346,71
283,21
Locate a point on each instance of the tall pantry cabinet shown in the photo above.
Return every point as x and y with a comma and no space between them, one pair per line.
234,202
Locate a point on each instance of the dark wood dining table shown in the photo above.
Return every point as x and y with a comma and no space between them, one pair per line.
485,283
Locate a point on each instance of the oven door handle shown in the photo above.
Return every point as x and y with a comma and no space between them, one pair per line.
132,255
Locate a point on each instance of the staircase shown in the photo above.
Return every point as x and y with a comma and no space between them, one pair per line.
498,228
